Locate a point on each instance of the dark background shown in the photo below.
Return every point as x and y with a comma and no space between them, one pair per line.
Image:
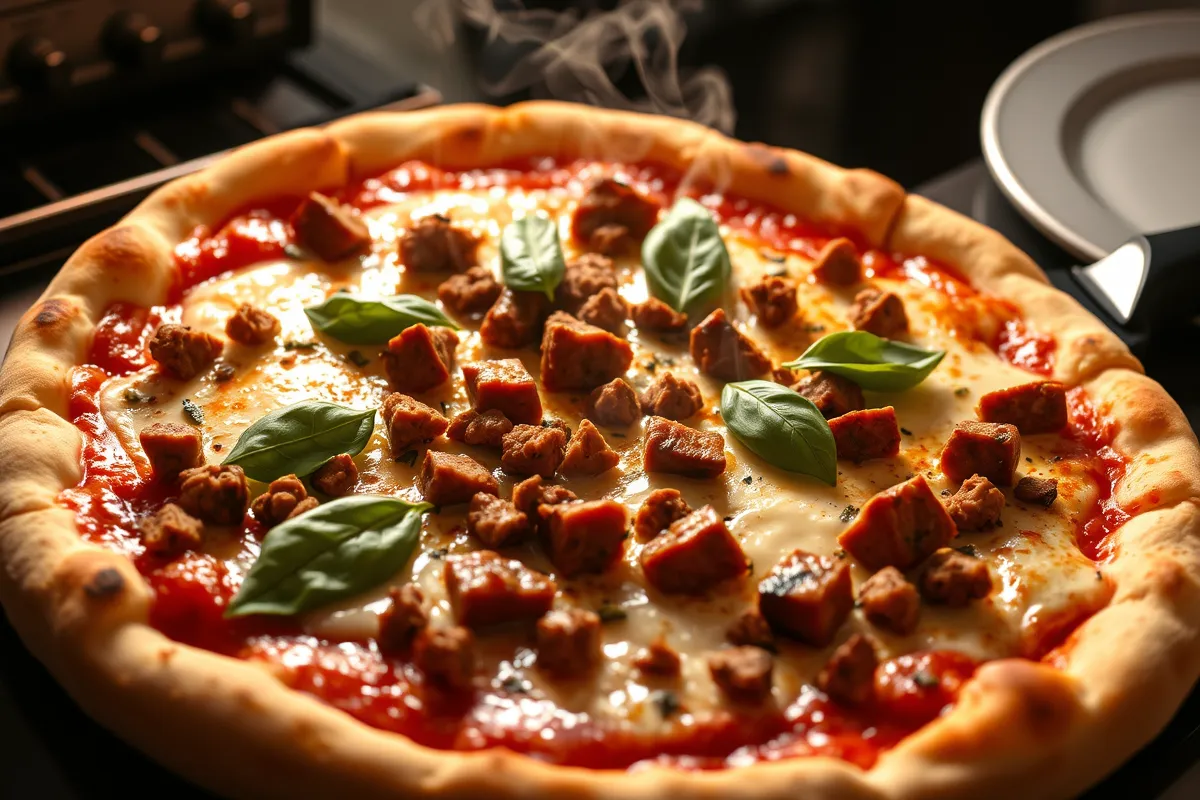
894,85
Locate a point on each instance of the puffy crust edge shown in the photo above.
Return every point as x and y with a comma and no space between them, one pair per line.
83,609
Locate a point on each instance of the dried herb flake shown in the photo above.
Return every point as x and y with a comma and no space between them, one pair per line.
611,613
193,412
849,513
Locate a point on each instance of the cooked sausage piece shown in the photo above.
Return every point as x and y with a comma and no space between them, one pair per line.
568,642
785,377
878,312
772,299
446,657
216,494
672,398
515,319
447,479
337,476
486,589
694,555
170,531
533,492
658,659
182,352
615,404
401,621
506,386
1042,491
613,218
832,394
900,527
982,448
891,602
586,538
533,450
432,244
1039,407
420,358
977,504
752,629
863,435
849,675
838,263
744,674
252,326
606,309
576,355
655,315
721,350
496,522
587,453
954,579
583,278
484,429
171,448
807,597
675,448
329,229
284,498
660,508
408,421
471,292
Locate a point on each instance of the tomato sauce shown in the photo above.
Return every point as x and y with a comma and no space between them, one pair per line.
1021,346
192,591
356,678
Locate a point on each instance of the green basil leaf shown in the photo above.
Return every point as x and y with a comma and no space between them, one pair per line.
354,320
685,258
531,258
335,551
300,438
780,426
880,365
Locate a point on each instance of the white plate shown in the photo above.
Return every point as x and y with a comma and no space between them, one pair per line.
1094,135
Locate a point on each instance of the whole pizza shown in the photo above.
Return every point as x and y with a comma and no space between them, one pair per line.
556,452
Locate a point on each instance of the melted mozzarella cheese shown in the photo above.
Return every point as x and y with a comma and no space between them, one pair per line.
1041,578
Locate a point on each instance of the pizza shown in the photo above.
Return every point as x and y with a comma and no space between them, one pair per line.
549,451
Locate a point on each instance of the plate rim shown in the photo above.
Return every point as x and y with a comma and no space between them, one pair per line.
993,156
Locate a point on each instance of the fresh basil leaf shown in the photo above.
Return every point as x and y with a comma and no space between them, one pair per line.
531,258
335,551
355,320
300,438
874,363
685,258
780,426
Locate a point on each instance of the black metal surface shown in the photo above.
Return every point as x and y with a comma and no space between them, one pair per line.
144,145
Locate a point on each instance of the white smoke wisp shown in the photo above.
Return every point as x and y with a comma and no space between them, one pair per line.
570,55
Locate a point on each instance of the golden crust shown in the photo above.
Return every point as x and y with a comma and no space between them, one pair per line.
1018,726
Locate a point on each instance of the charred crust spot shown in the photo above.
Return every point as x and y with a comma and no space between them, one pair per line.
54,313
770,160
105,583
471,133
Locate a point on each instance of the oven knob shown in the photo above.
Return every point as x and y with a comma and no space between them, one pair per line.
132,40
226,21
36,64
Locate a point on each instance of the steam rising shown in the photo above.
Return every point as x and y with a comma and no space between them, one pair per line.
571,55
